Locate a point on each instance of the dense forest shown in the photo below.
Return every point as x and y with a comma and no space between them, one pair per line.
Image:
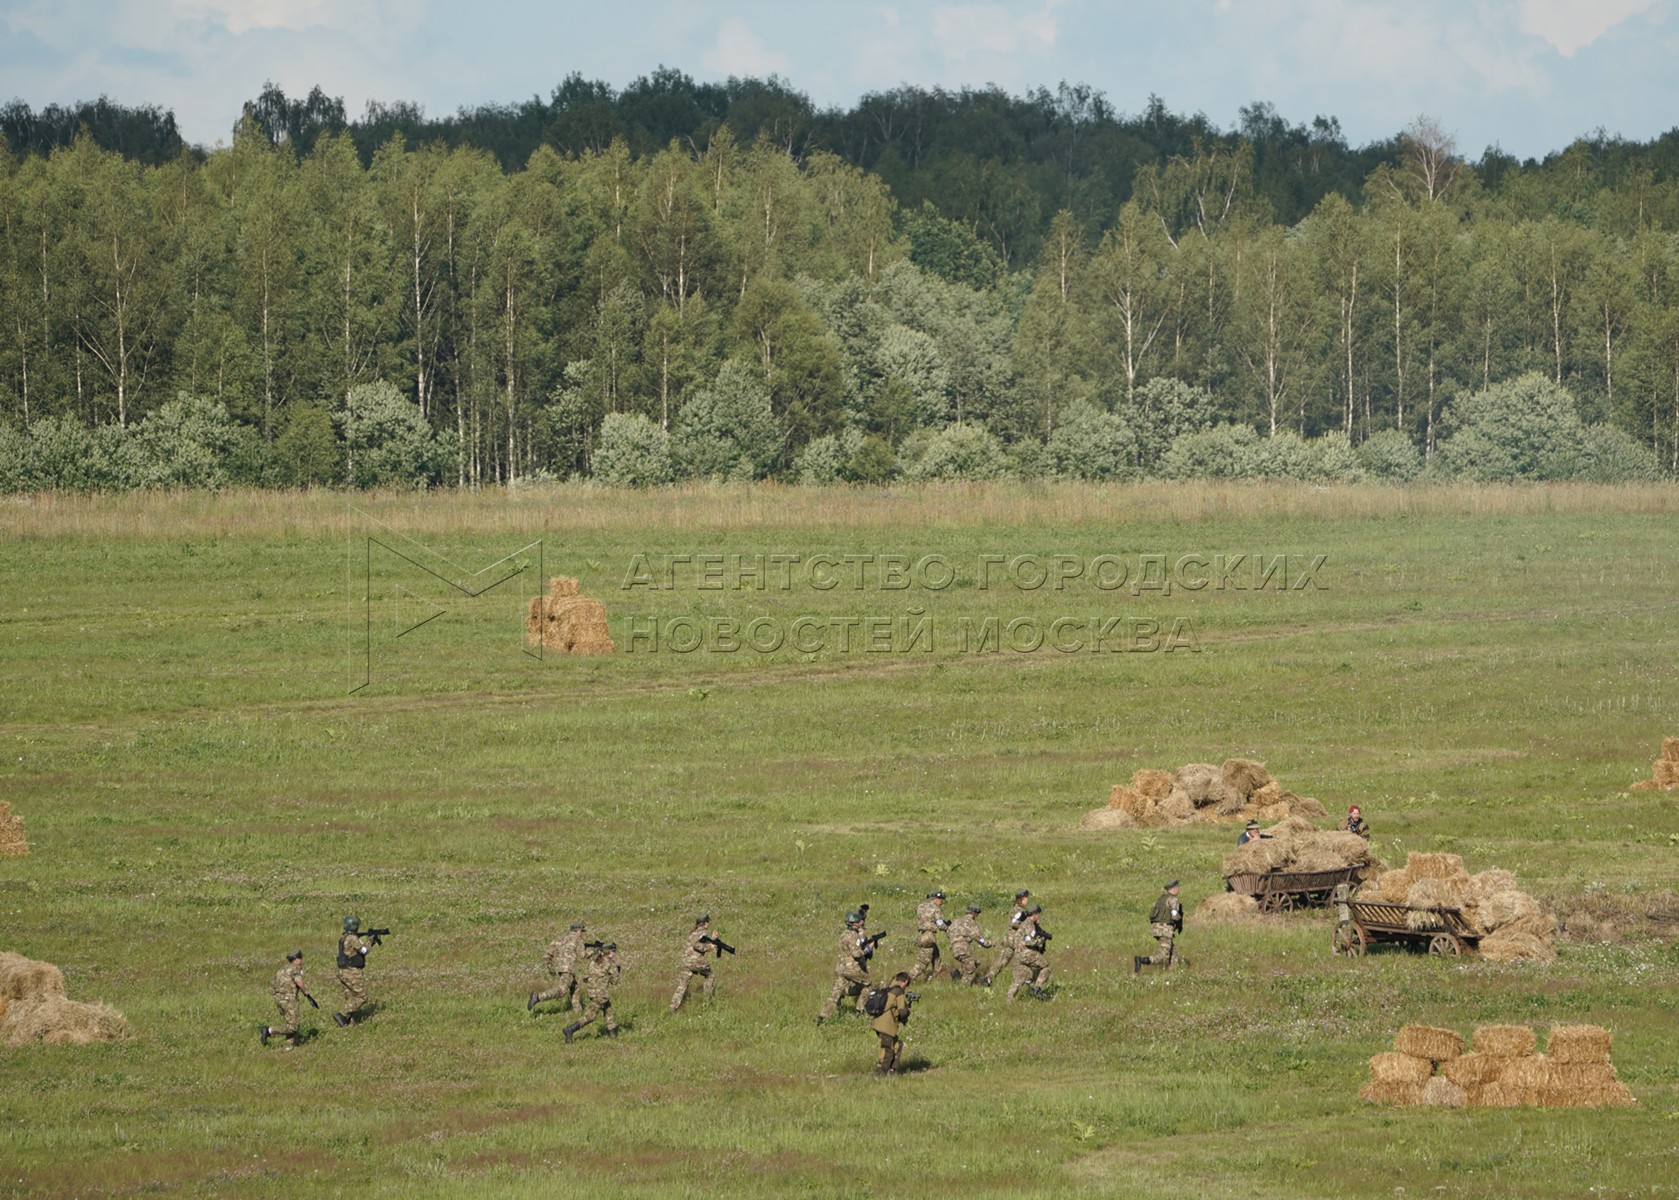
680,279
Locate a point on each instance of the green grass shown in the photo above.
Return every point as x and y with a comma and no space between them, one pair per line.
1484,671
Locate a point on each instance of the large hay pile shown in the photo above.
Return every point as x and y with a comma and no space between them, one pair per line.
1664,772
1500,1070
12,840
1227,908
567,622
1297,845
1239,790
33,1008
1511,924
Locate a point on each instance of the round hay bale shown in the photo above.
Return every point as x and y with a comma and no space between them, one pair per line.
1129,800
1436,866
58,1021
1504,1041
25,979
1428,1041
1244,775
1444,1093
1475,1069
1391,1093
1176,807
565,621
1393,1067
1153,783
1108,818
1578,1044
1227,908
1509,946
1304,806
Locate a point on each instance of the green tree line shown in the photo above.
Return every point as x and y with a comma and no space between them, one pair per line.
933,284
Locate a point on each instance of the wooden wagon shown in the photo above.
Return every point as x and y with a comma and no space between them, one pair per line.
1284,891
1443,932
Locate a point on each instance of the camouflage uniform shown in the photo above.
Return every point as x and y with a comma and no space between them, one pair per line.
928,921
352,958
597,987
288,996
851,970
1029,964
1165,919
561,960
887,1025
694,962
964,932
1006,954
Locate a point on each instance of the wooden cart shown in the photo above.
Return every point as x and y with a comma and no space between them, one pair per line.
1447,934
1284,891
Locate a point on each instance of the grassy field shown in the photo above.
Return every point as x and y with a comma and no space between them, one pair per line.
1484,670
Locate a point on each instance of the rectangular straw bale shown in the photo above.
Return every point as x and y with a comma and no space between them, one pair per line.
1613,1094
1153,783
1670,749
1664,772
1436,866
1444,1093
1506,1041
1475,1069
1129,800
1582,1075
1429,1041
1244,775
1391,886
1393,1067
1530,1073
1391,1093
1495,1094
1575,1044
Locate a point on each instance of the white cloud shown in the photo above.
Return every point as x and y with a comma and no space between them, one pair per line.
1571,25
740,51
961,31
242,16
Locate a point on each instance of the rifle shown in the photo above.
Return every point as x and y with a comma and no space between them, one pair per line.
719,943
593,945
870,942
376,937
313,1003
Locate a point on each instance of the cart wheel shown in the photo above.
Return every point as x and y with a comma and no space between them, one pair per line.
1358,943
1443,945
1285,902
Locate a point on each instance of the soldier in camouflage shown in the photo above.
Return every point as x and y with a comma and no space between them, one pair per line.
352,961
1029,963
694,961
889,1024
561,960
964,933
929,920
597,987
288,991
1022,901
1165,922
851,964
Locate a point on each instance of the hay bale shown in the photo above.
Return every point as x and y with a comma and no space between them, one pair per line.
1496,1094
1153,783
1528,1075
1227,908
1670,749
567,622
1292,824
1108,818
1390,886
1664,772
1436,866
1578,1044
1129,800
1614,1094
1256,857
1429,1041
1245,776
12,841
1540,925
1391,1093
1329,850
1271,812
1304,806
1394,1067
1476,1069
1425,897
1176,807
1509,946
1504,1041
1204,784
1444,1093
1266,796
27,980
57,1021
1489,883
1501,909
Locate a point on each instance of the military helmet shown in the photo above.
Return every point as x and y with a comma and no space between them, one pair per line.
973,908
1034,910
1171,884
935,895
351,924
1253,825
578,925
703,919
1023,893
293,955
853,917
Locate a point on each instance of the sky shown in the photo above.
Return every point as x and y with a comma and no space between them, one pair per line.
1529,76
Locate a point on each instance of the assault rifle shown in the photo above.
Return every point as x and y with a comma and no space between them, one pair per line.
376,937
593,945
870,942
313,1003
717,942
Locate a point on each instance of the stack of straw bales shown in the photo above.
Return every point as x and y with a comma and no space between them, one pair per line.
1296,844
1239,790
33,1008
568,622
1511,924
12,840
1429,1066
1664,772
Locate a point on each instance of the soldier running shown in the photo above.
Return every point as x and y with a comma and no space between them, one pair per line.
352,960
695,961
597,987
964,932
561,960
1165,922
929,920
1022,901
1029,964
851,965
